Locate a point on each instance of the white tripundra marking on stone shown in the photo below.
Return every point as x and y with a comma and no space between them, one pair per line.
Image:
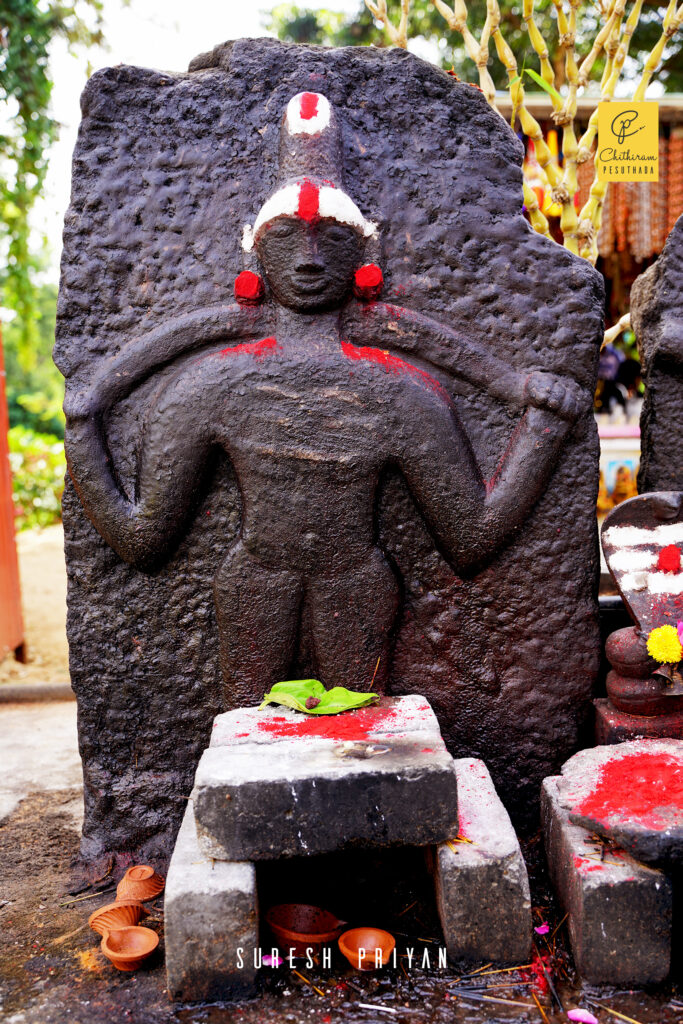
665,583
633,581
632,536
333,204
298,125
630,560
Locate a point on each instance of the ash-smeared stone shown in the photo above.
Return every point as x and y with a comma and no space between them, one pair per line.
399,717
290,785
210,923
482,887
631,793
619,910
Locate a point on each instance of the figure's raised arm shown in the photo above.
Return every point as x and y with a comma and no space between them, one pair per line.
404,330
470,518
117,376
174,460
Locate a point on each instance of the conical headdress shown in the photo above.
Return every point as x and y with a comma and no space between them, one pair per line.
310,175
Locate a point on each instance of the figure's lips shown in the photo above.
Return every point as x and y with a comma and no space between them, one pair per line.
309,284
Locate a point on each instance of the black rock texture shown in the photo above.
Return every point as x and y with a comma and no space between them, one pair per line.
657,318
167,170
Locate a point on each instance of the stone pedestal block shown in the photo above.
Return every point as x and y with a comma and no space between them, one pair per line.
482,887
619,910
283,784
211,923
614,726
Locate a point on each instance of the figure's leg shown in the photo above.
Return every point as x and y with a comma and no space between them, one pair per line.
257,609
352,616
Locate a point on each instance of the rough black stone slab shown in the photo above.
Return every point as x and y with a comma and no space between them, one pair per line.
657,318
167,170
619,911
630,793
365,778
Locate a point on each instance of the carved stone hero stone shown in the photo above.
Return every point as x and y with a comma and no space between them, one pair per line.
657,315
303,481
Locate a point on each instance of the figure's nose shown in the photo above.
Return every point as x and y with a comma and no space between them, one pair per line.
308,259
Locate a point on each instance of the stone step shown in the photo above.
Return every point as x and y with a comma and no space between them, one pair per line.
277,783
619,910
210,923
482,887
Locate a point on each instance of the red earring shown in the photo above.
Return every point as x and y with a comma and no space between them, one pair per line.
249,288
367,282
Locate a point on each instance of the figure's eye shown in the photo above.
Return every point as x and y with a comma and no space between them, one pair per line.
281,229
336,234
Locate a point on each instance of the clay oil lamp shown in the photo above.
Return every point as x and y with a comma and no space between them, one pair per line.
367,949
121,914
128,948
301,926
140,882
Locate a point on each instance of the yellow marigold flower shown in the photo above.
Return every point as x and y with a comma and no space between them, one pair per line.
664,645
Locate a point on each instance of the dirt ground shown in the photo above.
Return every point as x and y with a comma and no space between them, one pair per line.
53,972
43,591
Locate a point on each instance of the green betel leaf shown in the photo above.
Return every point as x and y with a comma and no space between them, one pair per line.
542,84
293,693
311,697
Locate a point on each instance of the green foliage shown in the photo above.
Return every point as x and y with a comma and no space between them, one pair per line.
311,697
27,27
38,466
35,389
308,25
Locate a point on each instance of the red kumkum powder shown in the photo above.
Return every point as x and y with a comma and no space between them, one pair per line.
636,787
353,725
308,201
308,107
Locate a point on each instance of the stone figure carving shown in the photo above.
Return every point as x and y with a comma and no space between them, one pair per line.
657,317
311,416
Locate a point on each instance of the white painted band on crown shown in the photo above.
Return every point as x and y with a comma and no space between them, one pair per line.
333,204
632,560
298,125
631,536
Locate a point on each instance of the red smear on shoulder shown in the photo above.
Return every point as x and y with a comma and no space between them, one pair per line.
352,725
636,787
309,106
308,201
257,349
249,288
392,364
669,559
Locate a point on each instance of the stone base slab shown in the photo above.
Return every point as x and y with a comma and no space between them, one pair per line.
482,887
614,726
619,910
210,913
276,783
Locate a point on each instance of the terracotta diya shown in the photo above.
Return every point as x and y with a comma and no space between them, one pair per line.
121,914
300,926
140,882
128,948
367,949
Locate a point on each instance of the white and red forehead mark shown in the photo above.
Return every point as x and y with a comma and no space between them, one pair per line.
308,113
311,202
636,561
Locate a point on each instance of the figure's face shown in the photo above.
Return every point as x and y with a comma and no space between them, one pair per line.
309,266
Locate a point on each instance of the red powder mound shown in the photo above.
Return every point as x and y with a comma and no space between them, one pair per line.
309,106
669,559
637,787
352,725
308,201
249,288
369,276
258,349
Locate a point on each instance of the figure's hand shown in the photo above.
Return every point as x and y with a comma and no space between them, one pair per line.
561,396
